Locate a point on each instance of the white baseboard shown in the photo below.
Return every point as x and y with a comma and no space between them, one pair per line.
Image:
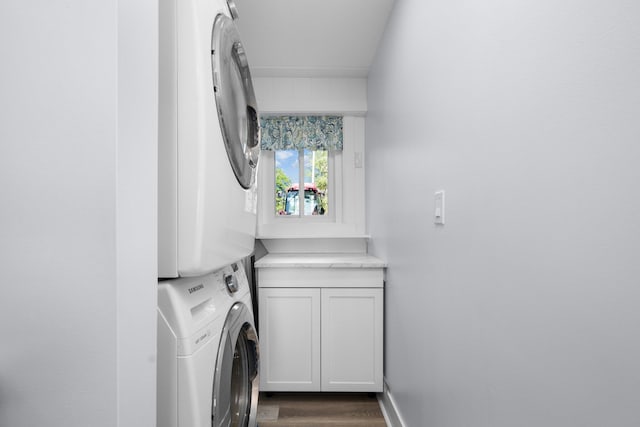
389,408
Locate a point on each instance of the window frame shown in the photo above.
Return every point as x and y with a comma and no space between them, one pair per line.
267,207
348,193
331,187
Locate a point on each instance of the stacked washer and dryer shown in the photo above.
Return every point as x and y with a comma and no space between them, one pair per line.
207,159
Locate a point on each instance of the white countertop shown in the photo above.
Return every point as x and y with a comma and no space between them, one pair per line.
320,261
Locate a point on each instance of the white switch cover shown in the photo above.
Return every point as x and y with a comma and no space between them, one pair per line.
357,159
439,207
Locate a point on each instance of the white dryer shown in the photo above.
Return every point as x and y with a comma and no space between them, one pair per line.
208,140
207,351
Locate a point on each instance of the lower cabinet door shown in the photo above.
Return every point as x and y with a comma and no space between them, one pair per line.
352,347
289,322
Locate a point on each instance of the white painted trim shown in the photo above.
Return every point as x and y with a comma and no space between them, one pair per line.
389,408
300,95
281,225
309,72
346,194
302,277
353,200
298,245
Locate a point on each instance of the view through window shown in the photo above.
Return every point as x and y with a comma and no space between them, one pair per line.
309,167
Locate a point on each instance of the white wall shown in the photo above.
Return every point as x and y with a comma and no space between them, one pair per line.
77,223
523,309
136,178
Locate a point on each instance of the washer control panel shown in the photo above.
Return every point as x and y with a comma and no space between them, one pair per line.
231,282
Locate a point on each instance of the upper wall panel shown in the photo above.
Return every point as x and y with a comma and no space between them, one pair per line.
311,95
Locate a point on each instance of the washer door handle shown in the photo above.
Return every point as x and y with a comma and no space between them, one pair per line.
231,282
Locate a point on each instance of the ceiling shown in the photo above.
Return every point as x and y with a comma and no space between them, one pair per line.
311,38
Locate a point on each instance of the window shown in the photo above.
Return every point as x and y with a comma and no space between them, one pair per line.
303,148
310,167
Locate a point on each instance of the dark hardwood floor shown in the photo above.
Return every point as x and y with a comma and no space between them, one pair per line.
319,410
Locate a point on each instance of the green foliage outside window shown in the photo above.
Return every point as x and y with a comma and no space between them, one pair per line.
282,184
321,166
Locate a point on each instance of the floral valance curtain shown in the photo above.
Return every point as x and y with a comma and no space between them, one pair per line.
301,132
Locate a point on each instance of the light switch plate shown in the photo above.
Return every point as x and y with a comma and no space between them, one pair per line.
357,159
438,213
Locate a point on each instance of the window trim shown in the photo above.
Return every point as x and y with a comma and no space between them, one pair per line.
331,188
269,216
349,194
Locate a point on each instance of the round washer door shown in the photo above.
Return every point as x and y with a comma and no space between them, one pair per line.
236,379
235,100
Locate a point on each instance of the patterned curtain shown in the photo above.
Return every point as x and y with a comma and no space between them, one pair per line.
301,132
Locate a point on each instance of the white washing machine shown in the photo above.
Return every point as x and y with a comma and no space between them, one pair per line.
207,351
208,140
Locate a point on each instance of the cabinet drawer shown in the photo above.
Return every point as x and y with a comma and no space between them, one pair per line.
320,278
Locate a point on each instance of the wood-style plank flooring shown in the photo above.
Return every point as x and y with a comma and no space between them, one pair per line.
319,410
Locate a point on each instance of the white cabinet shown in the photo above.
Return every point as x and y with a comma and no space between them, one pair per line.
351,339
321,329
289,339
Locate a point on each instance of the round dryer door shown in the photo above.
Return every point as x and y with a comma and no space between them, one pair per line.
236,379
235,100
